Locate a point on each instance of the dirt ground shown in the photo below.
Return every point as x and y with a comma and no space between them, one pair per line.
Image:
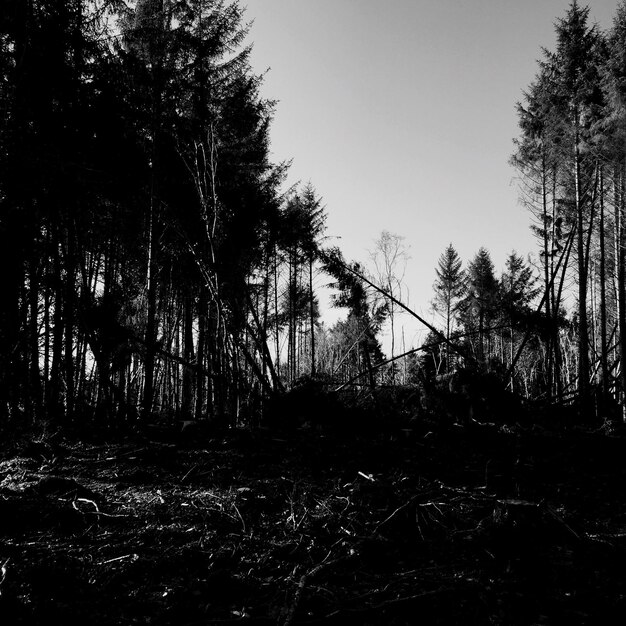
475,525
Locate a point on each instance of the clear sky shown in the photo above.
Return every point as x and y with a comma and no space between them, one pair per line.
402,115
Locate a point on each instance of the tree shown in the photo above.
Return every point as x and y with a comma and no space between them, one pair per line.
561,171
389,258
575,65
449,289
479,306
130,279
536,158
299,234
613,132
516,292
365,314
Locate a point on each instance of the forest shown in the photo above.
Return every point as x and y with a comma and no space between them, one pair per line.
185,441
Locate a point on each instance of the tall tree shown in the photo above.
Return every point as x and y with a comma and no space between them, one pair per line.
389,258
301,230
576,65
561,169
478,308
614,140
536,158
449,288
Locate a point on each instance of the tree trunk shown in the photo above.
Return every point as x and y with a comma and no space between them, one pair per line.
70,287
188,355
54,400
547,255
604,356
583,330
201,357
620,211
555,303
312,314
277,324
35,374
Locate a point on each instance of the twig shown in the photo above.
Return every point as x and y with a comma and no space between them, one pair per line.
119,558
3,570
86,501
417,596
291,611
400,508
561,521
467,492
388,603
119,456
96,512
243,524
182,480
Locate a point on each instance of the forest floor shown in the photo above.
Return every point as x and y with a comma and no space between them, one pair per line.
480,525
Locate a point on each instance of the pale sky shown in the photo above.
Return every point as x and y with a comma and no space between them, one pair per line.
402,115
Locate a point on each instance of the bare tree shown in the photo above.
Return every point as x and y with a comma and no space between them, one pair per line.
389,259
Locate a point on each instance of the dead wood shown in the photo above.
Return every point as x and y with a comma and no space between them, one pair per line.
305,528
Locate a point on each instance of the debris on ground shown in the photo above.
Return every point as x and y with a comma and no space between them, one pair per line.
495,527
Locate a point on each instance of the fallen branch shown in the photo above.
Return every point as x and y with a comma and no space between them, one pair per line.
333,257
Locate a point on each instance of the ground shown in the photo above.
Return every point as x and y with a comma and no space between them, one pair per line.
475,525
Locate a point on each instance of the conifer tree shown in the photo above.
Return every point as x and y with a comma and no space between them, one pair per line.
449,290
478,307
300,231
613,132
119,235
516,293
576,65
536,158
561,168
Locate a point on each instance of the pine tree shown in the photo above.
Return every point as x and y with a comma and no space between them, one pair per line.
516,292
575,65
300,231
536,158
614,143
479,306
119,236
449,290
558,157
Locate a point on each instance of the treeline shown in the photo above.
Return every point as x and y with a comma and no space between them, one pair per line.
489,322
145,240
552,329
571,156
153,263
571,159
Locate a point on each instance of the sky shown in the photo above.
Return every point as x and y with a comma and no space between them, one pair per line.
402,115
